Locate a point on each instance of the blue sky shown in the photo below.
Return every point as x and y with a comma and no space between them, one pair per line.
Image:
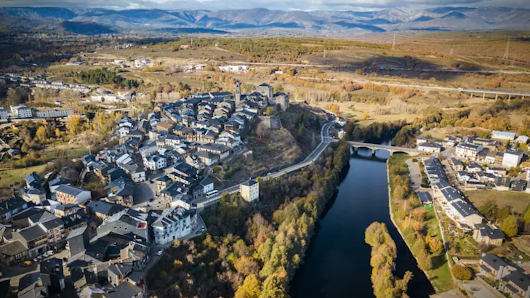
271,4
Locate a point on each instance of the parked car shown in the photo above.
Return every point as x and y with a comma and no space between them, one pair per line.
27,263
159,253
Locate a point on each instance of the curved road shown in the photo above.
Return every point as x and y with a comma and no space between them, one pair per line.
325,140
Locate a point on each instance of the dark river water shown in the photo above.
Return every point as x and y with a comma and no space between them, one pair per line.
337,263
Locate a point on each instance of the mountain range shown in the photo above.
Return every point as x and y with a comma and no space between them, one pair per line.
98,21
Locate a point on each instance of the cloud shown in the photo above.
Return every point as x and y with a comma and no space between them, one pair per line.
272,4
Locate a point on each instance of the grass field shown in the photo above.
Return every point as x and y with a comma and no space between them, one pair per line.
518,201
9,177
522,243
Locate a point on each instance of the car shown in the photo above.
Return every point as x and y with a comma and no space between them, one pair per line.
203,228
151,199
27,263
159,253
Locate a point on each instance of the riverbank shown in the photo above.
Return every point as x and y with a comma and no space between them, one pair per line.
417,223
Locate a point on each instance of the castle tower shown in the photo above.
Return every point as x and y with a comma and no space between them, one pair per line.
238,93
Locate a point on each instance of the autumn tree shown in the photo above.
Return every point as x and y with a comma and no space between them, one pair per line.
461,272
509,226
41,134
250,288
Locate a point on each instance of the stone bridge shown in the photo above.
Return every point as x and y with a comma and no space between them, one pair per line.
391,149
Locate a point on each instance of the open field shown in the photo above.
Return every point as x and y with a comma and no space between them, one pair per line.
517,200
14,176
523,243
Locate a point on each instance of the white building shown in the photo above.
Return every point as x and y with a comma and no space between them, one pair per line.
142,62
249,190
430,147
467,150
155,162
3,114
53,113
502,135
21,111
173,224
512,157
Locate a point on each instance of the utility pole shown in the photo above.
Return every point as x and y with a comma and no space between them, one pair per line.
394,43
507,51
192,41
324,53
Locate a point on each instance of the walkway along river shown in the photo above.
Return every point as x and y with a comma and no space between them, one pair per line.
337,263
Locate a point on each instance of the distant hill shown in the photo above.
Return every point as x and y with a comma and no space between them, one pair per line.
97,21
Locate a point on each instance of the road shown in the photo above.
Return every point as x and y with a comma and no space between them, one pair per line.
479,91
325,140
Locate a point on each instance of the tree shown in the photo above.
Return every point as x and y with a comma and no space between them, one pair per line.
435,245
73,124
461,272
250,288
41,134
247,266
509,226
273,287
489,209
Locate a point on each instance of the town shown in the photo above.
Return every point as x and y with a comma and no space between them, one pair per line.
154,178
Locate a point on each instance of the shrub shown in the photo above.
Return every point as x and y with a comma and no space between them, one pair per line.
461,272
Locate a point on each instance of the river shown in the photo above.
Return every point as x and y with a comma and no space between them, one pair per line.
337,263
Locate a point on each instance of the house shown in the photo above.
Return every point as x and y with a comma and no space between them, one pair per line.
511,278
518,185
33,180
126,290
517,284
102,209
67,194
499,172
473,167
34,195
121,191
129,223
249,190
62,210
156,162
21,111
52,275
13,253
464,214
3,114
502,135
512,158
173,224
456,164
118,272
488,235
463,176
207,158
54,228
136,254
430,147
519,140
34,238
12,206
221,150
77,241
467,150
54,183
425,198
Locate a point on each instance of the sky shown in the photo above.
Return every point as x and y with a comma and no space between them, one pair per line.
357,5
